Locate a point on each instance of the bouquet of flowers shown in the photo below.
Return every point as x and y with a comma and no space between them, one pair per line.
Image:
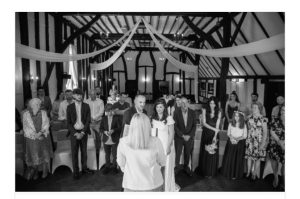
211,148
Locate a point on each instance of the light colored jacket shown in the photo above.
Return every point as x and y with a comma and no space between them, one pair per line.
28,126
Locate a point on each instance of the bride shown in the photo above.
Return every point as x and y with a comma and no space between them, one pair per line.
163,128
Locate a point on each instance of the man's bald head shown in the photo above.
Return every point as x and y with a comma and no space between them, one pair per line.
140,102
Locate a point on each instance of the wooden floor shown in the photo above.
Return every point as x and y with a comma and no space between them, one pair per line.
62,181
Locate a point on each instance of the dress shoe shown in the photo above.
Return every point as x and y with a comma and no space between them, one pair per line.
87,171
188,171
176,170
106,170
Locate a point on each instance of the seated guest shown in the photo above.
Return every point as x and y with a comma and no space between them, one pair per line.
46,101
97,110
141,157
38,148
62,112
110,128
233,162
276,146
280,103
139,105
120,107
78,121
55,107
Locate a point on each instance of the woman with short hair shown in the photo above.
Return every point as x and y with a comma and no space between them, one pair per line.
141,157
38,148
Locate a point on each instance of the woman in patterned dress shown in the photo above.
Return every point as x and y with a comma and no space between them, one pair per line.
256,141
276,146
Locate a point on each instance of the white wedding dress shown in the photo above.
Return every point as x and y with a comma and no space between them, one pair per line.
160,130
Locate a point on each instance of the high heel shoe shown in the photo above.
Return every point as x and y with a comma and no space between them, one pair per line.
275,183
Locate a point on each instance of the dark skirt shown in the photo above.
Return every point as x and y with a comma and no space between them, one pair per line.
233,161
38,151
208,163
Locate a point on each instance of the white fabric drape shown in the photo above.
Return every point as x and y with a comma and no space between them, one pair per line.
178,64
73,82
262,46
116,55
37,54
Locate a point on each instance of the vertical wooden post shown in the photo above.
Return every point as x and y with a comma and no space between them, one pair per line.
225,61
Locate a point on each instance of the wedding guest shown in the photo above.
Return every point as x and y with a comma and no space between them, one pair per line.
276,146
209,147
233,104
141,156
97,111
62,112
110,128
78,121
121,106
139,105
254,100
99,94
38,148
46,101
55,107
233,161
256,141
280,103
185,128
163,128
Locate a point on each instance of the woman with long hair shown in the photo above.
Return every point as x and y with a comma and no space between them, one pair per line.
276,147
256,141
141,156
233,161
209,156
233,104
163,128
38,148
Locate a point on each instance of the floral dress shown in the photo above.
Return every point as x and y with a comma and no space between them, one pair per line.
274,150
254,138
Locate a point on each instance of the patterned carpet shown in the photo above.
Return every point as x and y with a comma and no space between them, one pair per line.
62,181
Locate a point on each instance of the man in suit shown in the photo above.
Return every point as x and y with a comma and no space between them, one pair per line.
110,128
139,105
185,127
78,120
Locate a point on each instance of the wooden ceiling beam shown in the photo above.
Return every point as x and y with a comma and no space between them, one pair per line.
196,14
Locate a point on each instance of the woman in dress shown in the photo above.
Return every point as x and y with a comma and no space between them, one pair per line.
55,107
141,156
163,128
233,104
256,141
276,146
233,162
38,148
209,155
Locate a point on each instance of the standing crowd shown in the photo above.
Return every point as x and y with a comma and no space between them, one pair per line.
151,149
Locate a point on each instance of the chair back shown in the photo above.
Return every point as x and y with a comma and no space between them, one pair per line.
60,135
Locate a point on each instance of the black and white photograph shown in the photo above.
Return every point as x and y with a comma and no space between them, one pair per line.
150,101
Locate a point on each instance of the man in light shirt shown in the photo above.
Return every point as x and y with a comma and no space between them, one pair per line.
97,110
78,120
62,112
254,99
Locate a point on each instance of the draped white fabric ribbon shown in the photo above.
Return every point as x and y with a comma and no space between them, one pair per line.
111,60
262,46
178,64
37,54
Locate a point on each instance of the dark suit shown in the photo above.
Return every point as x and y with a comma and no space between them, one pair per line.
82,143
128,115
180,130
116,125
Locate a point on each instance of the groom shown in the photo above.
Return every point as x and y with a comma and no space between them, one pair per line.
185,127
78,120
